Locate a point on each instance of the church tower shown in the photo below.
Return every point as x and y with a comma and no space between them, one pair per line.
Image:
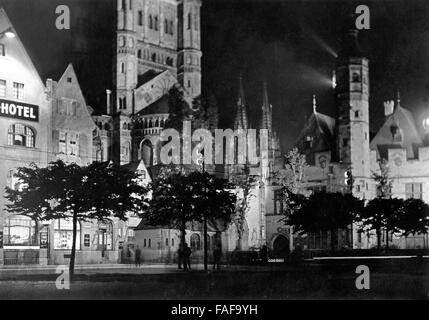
189,46
125,72
352,95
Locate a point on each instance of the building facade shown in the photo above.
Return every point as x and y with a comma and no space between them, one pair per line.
42,123
341,145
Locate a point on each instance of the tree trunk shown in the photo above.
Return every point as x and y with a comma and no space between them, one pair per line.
332,240
183,237
239,237
73,251
378,239
387,238
205,244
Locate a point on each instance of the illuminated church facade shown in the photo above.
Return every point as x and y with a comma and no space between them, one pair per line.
336,147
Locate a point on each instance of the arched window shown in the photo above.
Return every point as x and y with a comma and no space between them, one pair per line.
154,57
131,42
122,103
150,22
140,18
122,67
121,41
19,230
139,54
171,27
146,153
189,21
356,77
63,234
105,236
21,135
195,241
124,126
156,23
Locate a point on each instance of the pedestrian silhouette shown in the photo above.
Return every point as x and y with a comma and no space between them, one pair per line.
187,257
137,257
264,254
180,256
217,255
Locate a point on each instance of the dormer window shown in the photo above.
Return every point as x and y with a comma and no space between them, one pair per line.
308,142
397,133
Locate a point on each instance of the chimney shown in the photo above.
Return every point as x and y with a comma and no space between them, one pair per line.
108,93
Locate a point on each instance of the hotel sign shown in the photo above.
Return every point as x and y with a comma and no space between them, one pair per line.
19,110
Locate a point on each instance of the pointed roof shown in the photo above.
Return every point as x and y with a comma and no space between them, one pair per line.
67,80
350,44
320,129
241,121
6,24
411,138
267,116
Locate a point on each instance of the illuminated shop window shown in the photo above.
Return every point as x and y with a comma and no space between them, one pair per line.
2,88
195,242
63,234
18,91
19,231
105,236
20,135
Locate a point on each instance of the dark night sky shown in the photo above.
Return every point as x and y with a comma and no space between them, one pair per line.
289,43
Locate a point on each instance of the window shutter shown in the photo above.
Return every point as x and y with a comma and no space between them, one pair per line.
55,141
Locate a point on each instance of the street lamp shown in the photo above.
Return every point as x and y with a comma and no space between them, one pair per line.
426,123
8,33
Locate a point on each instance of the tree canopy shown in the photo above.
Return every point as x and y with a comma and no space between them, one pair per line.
179,198
95,192
325,212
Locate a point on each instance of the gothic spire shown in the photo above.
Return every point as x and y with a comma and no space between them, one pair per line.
240,121
267,117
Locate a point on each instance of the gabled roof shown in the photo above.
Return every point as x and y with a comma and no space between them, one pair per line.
321,129
158,107
64,84
6,24
155,88
322,124
383,140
